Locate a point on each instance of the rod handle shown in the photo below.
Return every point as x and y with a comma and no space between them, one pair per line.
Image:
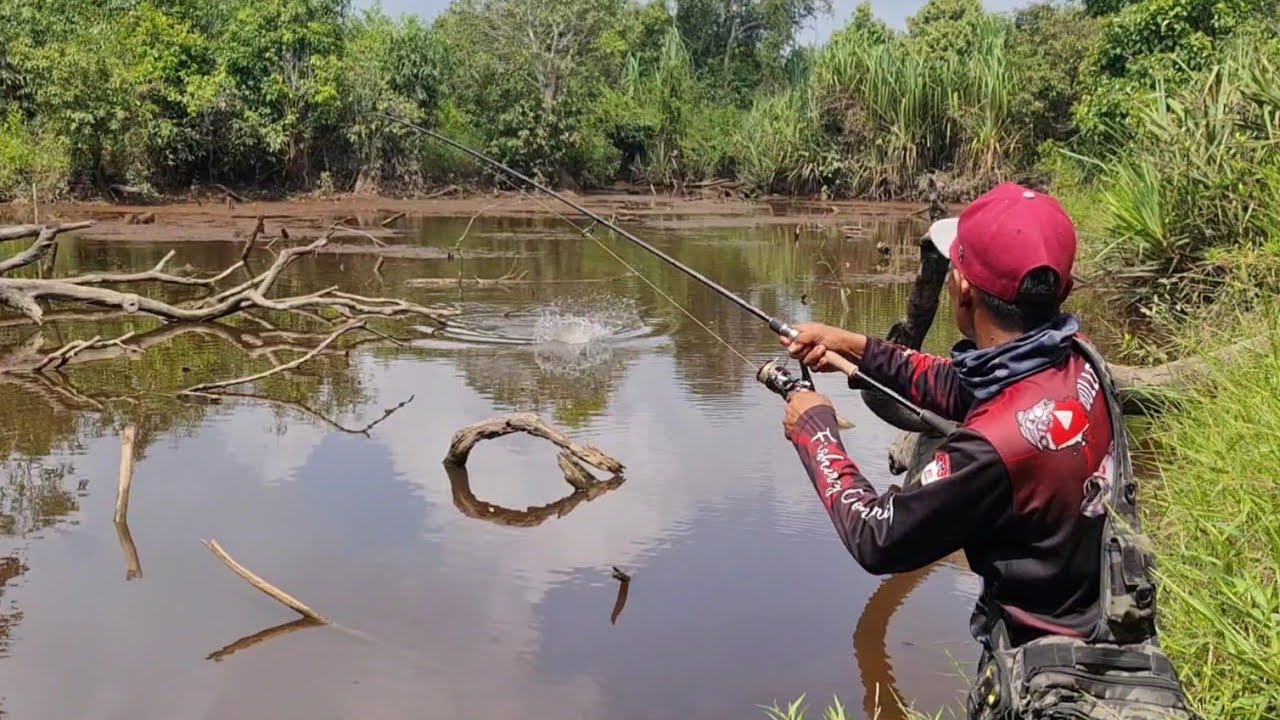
841,363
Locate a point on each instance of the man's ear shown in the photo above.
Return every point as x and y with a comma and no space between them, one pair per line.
964,291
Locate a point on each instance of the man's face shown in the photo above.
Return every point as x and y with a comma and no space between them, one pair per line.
961,303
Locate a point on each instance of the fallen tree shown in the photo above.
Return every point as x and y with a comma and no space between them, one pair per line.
100,296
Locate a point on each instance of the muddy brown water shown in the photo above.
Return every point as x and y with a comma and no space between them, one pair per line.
489,593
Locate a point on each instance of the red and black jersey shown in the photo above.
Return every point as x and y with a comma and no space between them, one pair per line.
1019,488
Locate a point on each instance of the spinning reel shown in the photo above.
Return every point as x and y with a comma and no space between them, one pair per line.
775,376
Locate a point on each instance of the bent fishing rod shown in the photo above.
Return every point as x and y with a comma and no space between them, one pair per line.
772,375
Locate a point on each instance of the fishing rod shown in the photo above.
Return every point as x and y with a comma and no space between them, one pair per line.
772,375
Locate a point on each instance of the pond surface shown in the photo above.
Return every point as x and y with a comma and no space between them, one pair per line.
471,595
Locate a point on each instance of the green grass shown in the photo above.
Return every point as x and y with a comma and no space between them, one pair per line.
1213,513
799,710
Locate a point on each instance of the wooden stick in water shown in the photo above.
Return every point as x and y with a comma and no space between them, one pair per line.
127,438
263,586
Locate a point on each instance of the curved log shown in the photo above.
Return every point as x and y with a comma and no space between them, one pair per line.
465,439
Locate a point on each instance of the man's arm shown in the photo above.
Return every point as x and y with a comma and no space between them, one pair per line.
926,380
966,491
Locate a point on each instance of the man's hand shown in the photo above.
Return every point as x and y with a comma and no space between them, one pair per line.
799,404
811,345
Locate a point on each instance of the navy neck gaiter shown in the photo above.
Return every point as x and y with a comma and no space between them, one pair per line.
986,373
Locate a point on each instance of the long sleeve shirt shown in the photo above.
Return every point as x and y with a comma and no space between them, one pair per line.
1043,551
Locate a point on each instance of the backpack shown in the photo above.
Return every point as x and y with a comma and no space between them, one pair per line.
1120,672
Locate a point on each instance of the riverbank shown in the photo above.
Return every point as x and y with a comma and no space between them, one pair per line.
211,219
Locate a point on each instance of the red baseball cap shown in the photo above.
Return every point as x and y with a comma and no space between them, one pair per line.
1006,234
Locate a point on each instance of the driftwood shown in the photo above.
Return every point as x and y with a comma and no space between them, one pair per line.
25,295
263,586
465,439
258,228
231,194
127,439
127,456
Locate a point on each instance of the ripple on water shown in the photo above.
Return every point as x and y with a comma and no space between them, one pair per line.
572,322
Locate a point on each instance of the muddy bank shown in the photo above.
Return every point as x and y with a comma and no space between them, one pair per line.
301,218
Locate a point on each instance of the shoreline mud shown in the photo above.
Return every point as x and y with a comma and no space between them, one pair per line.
210,220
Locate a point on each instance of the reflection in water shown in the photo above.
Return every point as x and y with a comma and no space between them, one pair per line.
624,586
881,698
133,564
10,567
33,496
471,506
263,636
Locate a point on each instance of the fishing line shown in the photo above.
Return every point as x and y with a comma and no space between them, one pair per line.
586,232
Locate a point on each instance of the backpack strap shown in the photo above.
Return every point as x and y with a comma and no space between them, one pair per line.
1127,602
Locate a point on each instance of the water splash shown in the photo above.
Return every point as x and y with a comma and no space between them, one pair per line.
583,325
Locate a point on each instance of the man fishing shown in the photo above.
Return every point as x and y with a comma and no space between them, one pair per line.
1036,486
1022,486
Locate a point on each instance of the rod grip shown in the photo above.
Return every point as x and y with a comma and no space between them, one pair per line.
841,363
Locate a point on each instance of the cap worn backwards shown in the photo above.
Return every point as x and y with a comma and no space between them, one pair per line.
1005,235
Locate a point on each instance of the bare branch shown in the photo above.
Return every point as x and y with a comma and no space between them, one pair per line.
20,232
47,238
358,231
127,439
262,585
23,295
253,238
155,274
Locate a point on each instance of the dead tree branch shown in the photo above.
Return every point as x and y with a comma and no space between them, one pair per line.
155,274
127,438
47,238
24,296
127,457
465,439
263,586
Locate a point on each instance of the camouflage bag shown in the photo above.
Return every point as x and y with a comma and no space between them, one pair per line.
1120,673
1060,678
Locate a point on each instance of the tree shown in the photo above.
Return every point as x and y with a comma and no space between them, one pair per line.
527,73
1048,46
947,27
744,43
1148,43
